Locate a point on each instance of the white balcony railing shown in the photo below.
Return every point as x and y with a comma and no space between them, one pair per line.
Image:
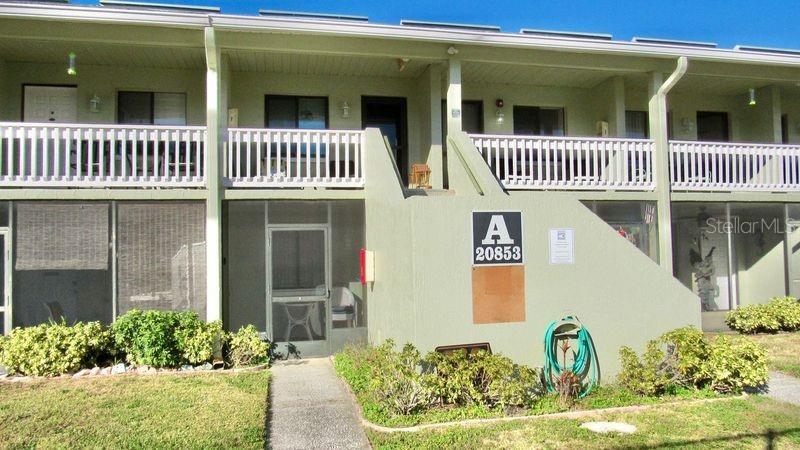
723,166
294,158
539,162
83,155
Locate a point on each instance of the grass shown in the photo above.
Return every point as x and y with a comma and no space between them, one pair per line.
783,350
732,423
129,411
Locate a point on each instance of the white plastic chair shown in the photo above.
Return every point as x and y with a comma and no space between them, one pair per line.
343,304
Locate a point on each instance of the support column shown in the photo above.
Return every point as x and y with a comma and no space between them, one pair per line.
454,95
618,118
658,90
776,111
433,79
215,123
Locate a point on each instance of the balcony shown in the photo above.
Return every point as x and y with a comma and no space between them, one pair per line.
723,166
100,156
290,158
568,163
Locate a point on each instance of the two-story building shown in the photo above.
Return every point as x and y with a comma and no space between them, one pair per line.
176,158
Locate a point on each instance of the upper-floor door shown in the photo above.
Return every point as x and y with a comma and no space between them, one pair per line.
56,104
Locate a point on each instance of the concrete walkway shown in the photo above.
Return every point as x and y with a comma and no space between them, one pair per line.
784,388
311,408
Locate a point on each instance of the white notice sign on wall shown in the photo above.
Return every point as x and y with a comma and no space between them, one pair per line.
562,246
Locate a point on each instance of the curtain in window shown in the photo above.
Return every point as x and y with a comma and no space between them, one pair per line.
61,236
161,257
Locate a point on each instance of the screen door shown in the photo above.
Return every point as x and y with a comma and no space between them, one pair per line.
298,290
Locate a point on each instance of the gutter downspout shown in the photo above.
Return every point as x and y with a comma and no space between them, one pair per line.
213,177
659,130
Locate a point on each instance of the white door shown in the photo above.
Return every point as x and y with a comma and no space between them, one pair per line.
57,104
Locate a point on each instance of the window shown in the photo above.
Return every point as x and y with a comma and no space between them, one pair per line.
712,126
637,124
283,111
533,120
151,108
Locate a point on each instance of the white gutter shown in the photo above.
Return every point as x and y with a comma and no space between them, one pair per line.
378,31
680,71
487,38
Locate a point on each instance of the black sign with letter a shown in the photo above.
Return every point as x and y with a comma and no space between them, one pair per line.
496,238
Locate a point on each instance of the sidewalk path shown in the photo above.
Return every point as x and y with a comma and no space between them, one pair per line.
784,388
310,408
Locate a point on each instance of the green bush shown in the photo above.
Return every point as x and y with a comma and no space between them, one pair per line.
753,319
787,311
390,382
54,348
246,348
733,364
780,313
483,379
684,358
165,338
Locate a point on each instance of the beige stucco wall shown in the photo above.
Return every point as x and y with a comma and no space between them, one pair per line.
105,81
423,293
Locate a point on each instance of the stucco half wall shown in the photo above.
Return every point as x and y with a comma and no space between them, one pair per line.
422,244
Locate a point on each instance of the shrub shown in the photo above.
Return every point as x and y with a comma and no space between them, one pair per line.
54,348
733,364
246,348
787,311
482,378
753,319
683,358
165,338
402,382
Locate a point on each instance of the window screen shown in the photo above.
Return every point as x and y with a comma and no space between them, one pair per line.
151,108
636,124
283,111
161,257
135,108
533,120
61,236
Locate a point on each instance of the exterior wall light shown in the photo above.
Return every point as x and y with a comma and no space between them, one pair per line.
71,70
687,124
345,110
94,104
752,101
501,117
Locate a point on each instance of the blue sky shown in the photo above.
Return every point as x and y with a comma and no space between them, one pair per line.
769,23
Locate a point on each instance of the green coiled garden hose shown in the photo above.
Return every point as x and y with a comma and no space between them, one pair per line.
584,365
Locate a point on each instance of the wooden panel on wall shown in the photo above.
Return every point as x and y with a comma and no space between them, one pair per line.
498,294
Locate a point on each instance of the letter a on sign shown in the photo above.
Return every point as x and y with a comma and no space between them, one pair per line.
497,234
496,238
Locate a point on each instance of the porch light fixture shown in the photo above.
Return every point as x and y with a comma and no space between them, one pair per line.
345,110
752,101
501,117
71,70
94,104
452,51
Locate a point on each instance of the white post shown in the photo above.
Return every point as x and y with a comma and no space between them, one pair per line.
214,124
435,160
620,128
454,95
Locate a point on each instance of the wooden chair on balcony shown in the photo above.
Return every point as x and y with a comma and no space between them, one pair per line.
420,176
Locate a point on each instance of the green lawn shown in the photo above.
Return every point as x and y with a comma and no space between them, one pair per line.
783,349
130,411
730,423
